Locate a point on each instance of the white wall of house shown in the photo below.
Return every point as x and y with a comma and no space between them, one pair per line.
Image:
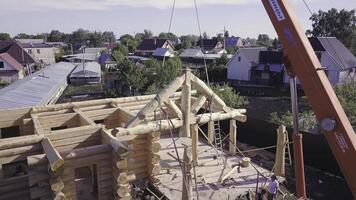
238,68
7,66
10,77
46,55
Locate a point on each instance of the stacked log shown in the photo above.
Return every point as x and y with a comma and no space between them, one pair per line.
153,149
13,150
39,176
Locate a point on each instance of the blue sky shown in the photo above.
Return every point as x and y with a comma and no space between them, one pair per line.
246,18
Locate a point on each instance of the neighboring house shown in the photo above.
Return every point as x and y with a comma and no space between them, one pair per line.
15,50
33,41
86,73
138,60
233,42
240,65
41,52
207,45
338,61
160,53
259,66
10,69
148,46
106,61
41,88
195,58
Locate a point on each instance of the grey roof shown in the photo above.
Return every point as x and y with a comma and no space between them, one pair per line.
252,54
191,53
81,56
342,57
91,69
163,52
38,89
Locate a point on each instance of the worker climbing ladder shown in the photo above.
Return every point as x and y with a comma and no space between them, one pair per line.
218,141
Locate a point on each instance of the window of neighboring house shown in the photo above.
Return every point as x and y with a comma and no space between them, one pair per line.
38,51
14,169
30,51
2,65
239,58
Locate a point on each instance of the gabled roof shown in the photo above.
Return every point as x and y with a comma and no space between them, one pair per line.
90,69
16,51
208,44
151,44
38,89
35,45
271,57
342,57
161,52
251,54
191,53
11,61
232,41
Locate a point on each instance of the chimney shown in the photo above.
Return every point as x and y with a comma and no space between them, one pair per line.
155,41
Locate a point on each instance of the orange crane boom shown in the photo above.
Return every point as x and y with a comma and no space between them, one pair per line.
306,66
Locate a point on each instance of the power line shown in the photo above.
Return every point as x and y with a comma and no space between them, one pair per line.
201,40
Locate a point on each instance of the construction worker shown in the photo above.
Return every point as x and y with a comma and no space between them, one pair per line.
273,186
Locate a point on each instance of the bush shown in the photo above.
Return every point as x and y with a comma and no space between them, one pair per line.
229,96
347,96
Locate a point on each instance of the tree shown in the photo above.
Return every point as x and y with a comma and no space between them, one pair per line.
333,23
263,40
55,36
188,41
4,36
169,36
347,96
130,42
205,35
229,96
109,36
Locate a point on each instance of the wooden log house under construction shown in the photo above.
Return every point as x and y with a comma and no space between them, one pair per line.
46,151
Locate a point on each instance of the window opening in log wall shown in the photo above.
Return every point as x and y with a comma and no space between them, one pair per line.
86,183
15,169
8,132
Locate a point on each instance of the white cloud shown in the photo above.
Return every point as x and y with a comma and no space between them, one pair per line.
31,5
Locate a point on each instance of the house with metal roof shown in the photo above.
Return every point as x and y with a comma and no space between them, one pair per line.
43,87
86,73
163,52
259,66
10,69
148,46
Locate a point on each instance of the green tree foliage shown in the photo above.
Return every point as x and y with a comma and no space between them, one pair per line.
229,96
334,23
169,36
187,41
347,96
263,40
307,120
28,36
130,42
56,36
5,36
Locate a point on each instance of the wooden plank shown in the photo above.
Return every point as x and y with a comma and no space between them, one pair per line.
198,104
232,142
54,158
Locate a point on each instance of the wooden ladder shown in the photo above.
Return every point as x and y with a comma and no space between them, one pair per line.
288,156
217,140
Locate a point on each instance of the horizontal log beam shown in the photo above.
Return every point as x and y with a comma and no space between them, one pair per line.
165,125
